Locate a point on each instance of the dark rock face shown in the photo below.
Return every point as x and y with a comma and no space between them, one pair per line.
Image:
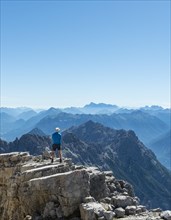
33,143
3,146
123,153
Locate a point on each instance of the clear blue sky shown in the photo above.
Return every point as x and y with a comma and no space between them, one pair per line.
70,53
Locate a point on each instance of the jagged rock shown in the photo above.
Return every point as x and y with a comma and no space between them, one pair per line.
112,188
98,187
130,210
107,207
141,208
120,212
42,188
109,173
156,210
90,210
123,201
166,215
106,200
47,153
32,188
109,215
89,199
67,188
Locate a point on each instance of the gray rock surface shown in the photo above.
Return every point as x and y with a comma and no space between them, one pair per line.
34,189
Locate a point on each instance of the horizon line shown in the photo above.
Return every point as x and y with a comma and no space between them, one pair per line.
124,107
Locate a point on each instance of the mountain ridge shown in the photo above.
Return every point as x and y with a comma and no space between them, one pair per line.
117,150
147,122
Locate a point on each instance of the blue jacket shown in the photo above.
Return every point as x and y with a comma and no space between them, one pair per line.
56,138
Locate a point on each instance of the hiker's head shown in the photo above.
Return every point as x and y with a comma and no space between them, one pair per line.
57,129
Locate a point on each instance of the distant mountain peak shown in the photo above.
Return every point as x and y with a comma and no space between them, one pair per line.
52,109
100,105
92,125
152,107
37,131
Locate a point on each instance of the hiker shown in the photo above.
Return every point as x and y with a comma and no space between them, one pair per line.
56,144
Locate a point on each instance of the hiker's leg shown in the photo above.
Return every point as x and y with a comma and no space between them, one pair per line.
54,147
52,154
60,154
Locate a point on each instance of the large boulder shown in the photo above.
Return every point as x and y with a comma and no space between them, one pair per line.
30,186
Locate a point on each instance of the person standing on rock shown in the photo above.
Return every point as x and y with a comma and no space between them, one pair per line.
56,144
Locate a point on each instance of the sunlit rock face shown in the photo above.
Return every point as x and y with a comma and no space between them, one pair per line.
34,188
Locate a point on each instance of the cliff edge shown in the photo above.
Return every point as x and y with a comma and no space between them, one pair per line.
33,188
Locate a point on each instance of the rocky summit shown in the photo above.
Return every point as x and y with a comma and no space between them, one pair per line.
32,188
92,144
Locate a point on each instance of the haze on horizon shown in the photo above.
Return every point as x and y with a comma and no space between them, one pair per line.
38,109
70,53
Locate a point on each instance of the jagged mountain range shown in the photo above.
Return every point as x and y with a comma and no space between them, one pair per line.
118,150
123,153
149,123
92,108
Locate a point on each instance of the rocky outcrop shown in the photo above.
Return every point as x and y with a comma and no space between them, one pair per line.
121,151
33,188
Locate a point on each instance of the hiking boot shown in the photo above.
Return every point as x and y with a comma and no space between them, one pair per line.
60,160
51,160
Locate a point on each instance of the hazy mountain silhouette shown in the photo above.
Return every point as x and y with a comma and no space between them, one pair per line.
161,146
15,111
148,123
27,115
146,126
